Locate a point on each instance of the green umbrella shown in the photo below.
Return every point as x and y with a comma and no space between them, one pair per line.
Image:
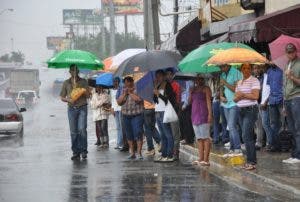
195,61
83,59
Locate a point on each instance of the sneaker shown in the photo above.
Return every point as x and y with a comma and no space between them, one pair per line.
227,144
118,148
140,157
257,147
170,159
158,147
150,153
164,159
229,154
243,147
291,160
105,145
75,157
131,157
237,152
84,155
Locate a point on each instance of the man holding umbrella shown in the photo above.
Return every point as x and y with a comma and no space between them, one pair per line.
77,112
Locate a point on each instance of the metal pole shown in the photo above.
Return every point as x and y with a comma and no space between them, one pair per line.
112,28
175,22
126,29
155,21
102,29
146,23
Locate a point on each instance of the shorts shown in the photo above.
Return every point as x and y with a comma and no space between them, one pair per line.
202,131
133,126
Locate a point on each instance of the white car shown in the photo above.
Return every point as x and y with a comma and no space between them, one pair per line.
11,119
26,98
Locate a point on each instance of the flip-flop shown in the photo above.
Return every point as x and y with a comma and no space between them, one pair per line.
204,163
250,167
196,163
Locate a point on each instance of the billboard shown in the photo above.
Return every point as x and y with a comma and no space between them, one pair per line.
123,7
54,42
81,16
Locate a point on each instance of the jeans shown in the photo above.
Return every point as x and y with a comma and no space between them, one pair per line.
119,128
186,126
275,123
103,133
232,115
134,126
266,124
150,129
248,117
259,130
216,125
78,123
225,132
176,136
167,141
292,108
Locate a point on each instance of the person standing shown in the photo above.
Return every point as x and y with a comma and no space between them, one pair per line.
200,99
170,73
150,129
116,111
163,93
100,104
77,112
275,81
132,112
229,77
246,96
292,100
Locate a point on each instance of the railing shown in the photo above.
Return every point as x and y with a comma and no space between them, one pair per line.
217,15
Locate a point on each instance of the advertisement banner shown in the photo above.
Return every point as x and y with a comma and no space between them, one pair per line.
81,16
54,42
124,7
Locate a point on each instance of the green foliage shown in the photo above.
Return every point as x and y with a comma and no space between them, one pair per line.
14,56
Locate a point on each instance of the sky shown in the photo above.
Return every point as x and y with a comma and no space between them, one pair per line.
27,27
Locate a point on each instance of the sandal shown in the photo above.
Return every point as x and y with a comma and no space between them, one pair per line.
204,163
196,163
249,167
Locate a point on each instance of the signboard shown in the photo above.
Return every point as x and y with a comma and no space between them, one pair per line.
54,42
81,16
123,7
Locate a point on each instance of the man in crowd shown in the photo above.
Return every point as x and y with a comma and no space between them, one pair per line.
229,78
77,112
292,100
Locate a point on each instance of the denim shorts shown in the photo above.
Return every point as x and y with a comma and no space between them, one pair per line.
202,131
133,125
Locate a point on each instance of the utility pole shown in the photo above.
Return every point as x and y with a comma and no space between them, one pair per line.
112,27
155,21
175,28
126,28
146,23
12,44
102,29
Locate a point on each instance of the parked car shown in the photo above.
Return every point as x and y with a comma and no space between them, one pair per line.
11,119
27,98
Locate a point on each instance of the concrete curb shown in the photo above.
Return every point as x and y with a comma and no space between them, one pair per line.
248,180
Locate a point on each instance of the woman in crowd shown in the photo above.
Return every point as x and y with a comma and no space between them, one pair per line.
163,93
100,104
246,96
200,99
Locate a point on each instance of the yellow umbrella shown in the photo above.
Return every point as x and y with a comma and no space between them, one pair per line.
237,56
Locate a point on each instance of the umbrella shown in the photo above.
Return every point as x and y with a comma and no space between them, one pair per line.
107,63
105,80
145,86
277,49
237,56
195,61
82,59
148,61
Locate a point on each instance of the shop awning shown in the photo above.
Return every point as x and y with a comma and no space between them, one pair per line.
268,27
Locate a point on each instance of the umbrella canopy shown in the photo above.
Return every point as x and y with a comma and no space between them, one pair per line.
148,61
107,63
237,56
277,49
195,61
83,59
105,80
144,87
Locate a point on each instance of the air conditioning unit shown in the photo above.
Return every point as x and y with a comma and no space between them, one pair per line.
252,4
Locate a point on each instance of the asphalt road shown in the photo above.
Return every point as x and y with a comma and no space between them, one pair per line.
37,167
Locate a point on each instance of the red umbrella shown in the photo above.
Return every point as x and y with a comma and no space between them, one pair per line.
277,48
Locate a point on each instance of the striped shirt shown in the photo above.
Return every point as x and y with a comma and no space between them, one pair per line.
246,86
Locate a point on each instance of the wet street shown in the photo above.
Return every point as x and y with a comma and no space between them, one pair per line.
38,168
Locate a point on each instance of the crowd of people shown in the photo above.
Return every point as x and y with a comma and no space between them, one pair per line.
244,110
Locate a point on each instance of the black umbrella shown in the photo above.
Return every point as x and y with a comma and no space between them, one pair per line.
148,61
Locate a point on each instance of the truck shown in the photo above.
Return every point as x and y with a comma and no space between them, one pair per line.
24,79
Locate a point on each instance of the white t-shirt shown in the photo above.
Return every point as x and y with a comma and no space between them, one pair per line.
246,86
160,106
114,103
265,90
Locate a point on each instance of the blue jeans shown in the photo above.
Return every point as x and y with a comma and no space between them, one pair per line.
225,132
150,129
216,126
232,115
167,140
275,123
119,128
78,124
292,108
134,126
266,124
248,117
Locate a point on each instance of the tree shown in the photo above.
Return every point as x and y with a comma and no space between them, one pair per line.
5,58
18,57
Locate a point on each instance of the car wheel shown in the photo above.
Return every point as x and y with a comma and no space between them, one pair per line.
21,133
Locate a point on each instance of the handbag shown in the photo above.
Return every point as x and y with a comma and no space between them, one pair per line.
170,114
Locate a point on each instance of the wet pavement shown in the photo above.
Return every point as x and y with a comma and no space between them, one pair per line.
37,167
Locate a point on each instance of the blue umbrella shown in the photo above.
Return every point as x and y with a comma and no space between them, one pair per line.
145,86
105,80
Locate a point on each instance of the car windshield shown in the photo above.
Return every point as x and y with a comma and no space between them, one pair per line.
26,95
7,104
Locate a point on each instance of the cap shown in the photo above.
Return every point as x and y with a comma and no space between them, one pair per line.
290,48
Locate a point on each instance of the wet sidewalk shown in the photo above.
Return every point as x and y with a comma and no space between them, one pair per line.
271,175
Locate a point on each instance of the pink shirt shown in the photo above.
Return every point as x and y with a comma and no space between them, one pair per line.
246,86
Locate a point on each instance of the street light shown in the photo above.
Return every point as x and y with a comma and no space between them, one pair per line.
7,9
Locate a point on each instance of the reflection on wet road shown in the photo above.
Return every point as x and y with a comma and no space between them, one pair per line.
38,168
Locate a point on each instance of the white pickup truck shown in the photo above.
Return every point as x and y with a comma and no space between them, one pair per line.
27,99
